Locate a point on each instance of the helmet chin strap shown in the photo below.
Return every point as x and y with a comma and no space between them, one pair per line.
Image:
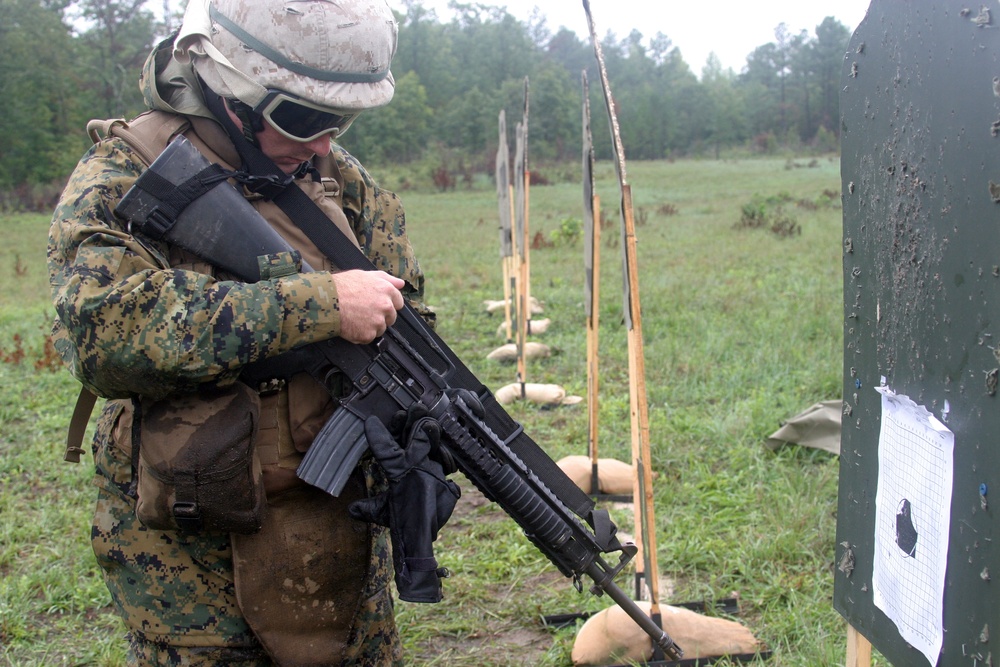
263,176
252,122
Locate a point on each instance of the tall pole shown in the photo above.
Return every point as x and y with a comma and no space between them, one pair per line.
639,409
592,270
520,238
527,216
504,205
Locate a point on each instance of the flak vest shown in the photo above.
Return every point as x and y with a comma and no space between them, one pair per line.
293,408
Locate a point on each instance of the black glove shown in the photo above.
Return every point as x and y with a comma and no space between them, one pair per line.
418,503
401,426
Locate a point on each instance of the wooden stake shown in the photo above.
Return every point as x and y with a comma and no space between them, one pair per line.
520,252
859,649
527,209
505,197
507,294
527,247
509,280
593,323
592,275
525,318
639,411
642,463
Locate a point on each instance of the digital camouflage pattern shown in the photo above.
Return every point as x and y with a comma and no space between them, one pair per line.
127,324
176,593
135,318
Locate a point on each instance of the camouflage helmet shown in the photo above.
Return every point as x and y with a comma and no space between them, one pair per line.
334,55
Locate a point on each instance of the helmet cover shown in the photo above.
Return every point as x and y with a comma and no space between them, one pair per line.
333,53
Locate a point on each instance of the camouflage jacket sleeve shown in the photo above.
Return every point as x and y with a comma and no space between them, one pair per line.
128,324
379,224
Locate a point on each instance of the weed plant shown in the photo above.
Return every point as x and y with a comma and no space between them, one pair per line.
742,330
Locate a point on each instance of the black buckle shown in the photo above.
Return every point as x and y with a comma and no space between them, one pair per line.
269,186
157,223
188,516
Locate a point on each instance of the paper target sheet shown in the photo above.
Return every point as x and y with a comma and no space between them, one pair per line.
912,518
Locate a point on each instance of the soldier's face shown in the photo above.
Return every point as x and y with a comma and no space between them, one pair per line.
287,153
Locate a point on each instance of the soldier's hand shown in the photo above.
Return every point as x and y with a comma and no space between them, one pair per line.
368,302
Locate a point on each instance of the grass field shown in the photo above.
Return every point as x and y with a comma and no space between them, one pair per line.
742,329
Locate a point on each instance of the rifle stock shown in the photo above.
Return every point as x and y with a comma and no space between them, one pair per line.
408,364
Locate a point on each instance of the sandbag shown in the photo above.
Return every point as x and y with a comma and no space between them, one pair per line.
543,394
611,636
508,353
534,327
614,477
494,306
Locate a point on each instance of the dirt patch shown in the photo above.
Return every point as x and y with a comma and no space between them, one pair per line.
508,629
508,647
508,608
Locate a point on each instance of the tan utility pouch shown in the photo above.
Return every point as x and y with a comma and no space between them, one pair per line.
197,466
301,581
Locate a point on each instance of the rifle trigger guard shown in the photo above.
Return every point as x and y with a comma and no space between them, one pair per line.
333,381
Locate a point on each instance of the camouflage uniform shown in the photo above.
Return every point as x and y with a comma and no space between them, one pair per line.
136,318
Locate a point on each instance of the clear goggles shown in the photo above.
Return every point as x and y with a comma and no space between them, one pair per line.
301,120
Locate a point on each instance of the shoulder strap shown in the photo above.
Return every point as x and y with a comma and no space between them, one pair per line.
278,186
332,242
148,134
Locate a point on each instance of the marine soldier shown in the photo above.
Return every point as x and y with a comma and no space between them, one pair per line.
166,337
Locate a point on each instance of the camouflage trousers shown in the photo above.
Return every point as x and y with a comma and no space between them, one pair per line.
176,592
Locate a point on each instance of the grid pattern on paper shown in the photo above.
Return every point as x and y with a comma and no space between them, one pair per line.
913,465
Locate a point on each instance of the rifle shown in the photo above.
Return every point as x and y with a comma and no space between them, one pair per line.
185,200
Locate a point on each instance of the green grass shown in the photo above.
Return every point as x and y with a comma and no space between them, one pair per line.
742,328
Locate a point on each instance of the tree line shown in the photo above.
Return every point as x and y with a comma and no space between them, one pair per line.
63,62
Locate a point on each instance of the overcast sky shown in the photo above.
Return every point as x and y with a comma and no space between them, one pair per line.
730,28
